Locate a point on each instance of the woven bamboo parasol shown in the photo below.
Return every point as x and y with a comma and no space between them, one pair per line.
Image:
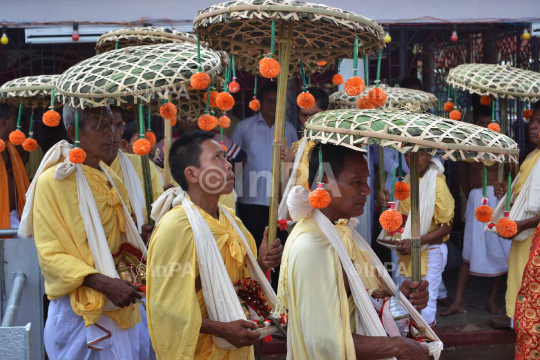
501,81
32,91
410,132
311,32
135,75
398,99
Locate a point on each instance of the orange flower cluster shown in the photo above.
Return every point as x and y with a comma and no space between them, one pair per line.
377,97
305,100
269,68
319,198
2,145
207,122
455,115
254,105
506,227
494,127
448,106
77,156
224,122
485,100
142,147
391,220
364,103
484,214
527,114
17,137
402,191
151,138
354,86
200,80
168,111
337,79
213,97
30,145
225,101
234,87
51,118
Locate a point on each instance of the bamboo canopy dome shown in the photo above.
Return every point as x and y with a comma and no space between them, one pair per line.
139,36
320,32
408,132
33,91
398,99
496,80
133,75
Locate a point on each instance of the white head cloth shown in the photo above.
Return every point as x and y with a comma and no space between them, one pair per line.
366,316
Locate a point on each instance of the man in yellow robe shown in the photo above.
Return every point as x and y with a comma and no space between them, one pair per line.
322,324
13,178
519,252
178,320
78,292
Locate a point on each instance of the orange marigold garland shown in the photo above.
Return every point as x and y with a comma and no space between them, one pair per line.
213,97
151,138
305,100
51,118
322,63
448,106
77,155
485,100
506,227
377,97
455,115
269,67
254,104
391,219
364,103
337,79
142,147
527,114
494,127
224,121
200,80
484,213
2,145
225,101
168,111
402,191
17,137
207,122
30,145
319,198
354,86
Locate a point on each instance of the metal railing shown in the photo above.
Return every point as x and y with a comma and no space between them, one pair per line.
14,300
8,233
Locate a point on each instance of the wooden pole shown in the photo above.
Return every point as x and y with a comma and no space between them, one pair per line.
147,178
382,173
504,120
415,219
285,42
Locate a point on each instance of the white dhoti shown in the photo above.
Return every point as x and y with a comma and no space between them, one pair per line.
486,252
66,337
436,261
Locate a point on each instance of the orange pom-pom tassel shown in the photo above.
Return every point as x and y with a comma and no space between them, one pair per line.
168,111
223,146
364,103
319,198
448,106
485,100
51,118
207,122
269,68
506,227
337,79
173,121
142,147
17,137
402,191
30,145
305,100
322,63
494,127
151,138
391,219
254,105
77,156
2,145
484,213
527,114
224,121
377,97
225,101
354,86
200,80
234,87
213,97
455,115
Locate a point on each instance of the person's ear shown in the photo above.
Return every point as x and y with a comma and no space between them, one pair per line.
325,179
192,174
71,132
124,144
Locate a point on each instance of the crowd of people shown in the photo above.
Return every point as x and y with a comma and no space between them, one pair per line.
73,210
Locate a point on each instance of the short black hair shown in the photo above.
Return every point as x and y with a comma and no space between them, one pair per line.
481,110
266,88
410,82
321,97
331,154
130,129
535,106
186,151
5,111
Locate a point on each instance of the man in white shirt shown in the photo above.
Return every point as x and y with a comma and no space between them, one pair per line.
256,136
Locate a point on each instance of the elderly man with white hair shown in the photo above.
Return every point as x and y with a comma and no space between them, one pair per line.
89,249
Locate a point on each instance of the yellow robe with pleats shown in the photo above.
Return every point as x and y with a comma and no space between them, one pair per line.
302,173
443,214
519,251
321,316
175,310
157,186
63,251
